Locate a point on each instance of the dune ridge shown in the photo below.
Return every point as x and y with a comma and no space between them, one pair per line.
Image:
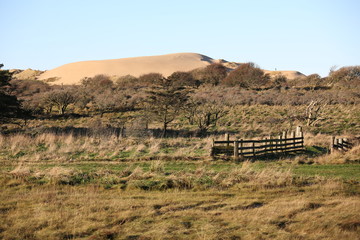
72,73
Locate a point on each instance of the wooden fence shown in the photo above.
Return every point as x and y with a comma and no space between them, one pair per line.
253,148
340,144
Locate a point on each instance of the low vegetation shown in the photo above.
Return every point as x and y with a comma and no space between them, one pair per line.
128,158
167,200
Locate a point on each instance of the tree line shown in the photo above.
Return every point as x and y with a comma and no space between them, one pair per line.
199,95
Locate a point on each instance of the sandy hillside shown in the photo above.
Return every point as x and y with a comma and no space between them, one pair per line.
288,74
28,74
72,73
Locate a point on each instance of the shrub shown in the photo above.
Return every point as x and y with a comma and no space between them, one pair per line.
247,75
212,74
348,77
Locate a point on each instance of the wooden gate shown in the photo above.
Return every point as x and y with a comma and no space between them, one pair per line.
253,148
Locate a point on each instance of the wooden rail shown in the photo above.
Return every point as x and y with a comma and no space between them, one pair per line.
340,144
253,148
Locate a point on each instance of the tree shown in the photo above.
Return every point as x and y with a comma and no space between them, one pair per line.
313,112
9,104
204,113
111,101
247,75
59,98
165,101
91,87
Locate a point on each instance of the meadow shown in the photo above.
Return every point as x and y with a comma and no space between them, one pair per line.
102,160
75,187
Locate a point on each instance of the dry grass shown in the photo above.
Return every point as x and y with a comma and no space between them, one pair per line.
50,147
245,202
241,202
323,210
351,156
62,148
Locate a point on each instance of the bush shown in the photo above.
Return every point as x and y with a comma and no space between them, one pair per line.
247,75
348,77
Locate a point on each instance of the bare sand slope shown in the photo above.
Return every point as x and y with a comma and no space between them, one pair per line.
72,73
28,74
288,74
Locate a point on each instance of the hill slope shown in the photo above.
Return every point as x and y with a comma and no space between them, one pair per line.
165,64
72,73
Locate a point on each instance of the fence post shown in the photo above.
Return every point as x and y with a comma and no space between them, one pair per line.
298,131
302,138
270,143
332,142
341,144
284,136
212,151
293,137
227,138
278,144
241,147
265,146
253,149
236,150
345,144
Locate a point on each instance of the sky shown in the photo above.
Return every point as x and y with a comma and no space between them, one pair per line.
309,36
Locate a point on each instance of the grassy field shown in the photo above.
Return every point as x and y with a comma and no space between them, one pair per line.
68,186
179,200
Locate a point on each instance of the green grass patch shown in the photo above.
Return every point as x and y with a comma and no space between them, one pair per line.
344,171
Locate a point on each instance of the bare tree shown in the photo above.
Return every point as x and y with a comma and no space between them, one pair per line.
313,112
204,113
111,101
59,98
165,102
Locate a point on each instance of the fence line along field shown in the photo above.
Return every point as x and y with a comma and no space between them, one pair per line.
253,148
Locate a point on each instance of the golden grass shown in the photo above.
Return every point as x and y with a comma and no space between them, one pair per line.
351,156
19,148
67,147
62,202
240,212
245,202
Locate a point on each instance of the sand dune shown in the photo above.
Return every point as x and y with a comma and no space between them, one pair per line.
72,73
288,74
28,74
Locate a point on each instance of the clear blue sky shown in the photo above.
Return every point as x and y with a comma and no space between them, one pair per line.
305,35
